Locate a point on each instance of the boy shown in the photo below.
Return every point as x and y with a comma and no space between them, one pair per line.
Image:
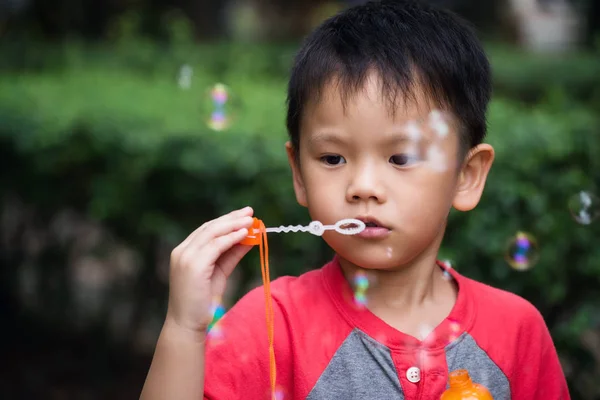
358,80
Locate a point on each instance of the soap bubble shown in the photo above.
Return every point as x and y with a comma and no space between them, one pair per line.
455,330
278,394
413,131
438,122
215,331
184,79
584,207
426,138
214,335
218,311
447,267
522,252
214,328
221,107
436,158
424,331
389,252
361,285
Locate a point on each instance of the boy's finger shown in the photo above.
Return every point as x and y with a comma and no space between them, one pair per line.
242,212
222,228
225,266
213,250
230,258
246,211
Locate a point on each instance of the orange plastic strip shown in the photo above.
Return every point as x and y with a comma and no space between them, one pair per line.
264,264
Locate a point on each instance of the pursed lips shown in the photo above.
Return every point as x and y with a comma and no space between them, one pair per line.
371,222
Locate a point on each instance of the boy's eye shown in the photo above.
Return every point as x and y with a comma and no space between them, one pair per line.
333,159
403,159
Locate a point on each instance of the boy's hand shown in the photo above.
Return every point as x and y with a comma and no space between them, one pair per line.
200,266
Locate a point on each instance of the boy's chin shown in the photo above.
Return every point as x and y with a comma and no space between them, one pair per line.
382,262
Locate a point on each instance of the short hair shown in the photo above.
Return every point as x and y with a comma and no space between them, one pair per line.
411,46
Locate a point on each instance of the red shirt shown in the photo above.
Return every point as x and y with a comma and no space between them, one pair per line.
327,346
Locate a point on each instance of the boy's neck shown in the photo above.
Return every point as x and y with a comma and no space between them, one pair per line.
410,296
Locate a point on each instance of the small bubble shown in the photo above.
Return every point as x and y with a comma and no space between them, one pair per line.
279,394
360,298
413,131
184,79
218,311
438,123
584,207
522,252
455,330
214,334
426,360
361,285
389,252
424,331
455,327
436,158
447,265
220,106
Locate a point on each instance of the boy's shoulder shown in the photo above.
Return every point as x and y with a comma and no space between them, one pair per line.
502,316
492,301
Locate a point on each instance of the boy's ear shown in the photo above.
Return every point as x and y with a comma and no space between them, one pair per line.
473,176
296,174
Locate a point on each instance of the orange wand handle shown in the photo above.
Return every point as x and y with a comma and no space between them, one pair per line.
254,233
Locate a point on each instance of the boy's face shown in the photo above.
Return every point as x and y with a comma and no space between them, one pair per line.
359,162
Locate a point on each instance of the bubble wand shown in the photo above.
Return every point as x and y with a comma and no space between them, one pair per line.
257,235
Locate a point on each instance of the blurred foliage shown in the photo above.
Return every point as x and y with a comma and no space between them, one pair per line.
106,132
279,19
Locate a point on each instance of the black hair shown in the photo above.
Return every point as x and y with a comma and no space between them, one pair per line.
410,45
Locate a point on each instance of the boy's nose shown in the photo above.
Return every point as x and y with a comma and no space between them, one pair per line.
366,185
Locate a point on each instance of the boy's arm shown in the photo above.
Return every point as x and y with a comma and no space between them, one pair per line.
237,351
231,362
177,370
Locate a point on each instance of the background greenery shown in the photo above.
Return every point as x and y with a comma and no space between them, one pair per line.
103,153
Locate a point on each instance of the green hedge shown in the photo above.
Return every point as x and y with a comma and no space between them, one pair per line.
529,77
132,151
517,74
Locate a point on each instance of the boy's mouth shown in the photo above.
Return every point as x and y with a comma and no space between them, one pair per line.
373,229
371,222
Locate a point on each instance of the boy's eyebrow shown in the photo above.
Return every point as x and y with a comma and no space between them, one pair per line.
329,137
324,137
397,137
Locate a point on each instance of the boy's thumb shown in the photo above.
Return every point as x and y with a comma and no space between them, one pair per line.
230,259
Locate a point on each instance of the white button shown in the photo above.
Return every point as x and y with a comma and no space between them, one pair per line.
413,374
